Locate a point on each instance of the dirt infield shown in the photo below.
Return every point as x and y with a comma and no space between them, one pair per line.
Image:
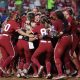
21,79
14,78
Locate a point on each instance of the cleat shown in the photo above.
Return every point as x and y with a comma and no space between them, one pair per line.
59,77
18,75
35,76
4,72
25,71
48,76
73,74
40,70
78,75
22,74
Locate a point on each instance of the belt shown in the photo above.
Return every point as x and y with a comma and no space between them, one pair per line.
4,34
43,41
66,36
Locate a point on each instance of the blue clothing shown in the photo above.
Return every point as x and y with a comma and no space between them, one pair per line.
3,18
3,4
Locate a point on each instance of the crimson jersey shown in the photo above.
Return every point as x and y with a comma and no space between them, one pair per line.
10,27
46,33
71,24
58,24
23,20
40,30
11,3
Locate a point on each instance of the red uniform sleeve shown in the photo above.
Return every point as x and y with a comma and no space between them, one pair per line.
38,28
35,30
16,26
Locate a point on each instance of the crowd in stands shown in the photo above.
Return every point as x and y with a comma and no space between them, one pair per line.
12,5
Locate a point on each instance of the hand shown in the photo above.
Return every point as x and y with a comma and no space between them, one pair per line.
32,39
60,34
40,36
31,35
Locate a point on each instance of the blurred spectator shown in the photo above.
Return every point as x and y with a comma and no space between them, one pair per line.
51,5
31,4
18,4
2,5
59,4
3,17
25,4
68,3
43,4
37,3
11,5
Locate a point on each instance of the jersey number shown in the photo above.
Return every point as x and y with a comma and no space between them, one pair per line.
43,31
7,26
